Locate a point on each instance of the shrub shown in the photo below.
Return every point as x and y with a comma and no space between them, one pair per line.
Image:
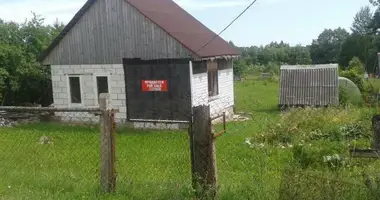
354,77
343,96
346,132
356,66
272,68
355,131
312,124
371,87
240,68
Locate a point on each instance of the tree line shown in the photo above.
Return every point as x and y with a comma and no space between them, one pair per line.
331,46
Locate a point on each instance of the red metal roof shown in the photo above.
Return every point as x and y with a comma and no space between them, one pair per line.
183,27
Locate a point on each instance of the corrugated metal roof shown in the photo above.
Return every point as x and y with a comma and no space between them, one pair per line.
320,66
172,19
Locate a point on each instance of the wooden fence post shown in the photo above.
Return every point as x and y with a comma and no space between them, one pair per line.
107,144
376,132
203,157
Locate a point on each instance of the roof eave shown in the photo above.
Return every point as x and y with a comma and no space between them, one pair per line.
225,57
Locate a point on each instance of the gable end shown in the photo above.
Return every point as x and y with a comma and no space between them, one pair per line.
105,32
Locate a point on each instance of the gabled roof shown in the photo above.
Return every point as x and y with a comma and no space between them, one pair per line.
174,20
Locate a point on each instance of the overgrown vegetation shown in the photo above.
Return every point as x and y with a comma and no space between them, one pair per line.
319,140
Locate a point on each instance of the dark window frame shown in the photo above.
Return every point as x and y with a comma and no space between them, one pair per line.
97,84
73,95
213,79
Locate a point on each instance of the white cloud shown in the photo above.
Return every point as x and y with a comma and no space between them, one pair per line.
64,10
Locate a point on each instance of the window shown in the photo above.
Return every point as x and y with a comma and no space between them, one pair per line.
213,84
199,67
102,84
75,90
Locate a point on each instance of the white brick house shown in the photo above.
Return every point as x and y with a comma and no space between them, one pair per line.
87,59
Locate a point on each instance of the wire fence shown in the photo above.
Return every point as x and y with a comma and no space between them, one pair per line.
305,153
37,149
55,149
67,148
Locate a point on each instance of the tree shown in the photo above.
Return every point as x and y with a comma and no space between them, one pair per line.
362,21
36,36
22,78
18,69
299,55
375,2
375,22
355,46
325,49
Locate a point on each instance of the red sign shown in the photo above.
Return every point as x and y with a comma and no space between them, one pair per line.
154,85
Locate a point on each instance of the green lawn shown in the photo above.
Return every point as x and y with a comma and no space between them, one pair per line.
150,165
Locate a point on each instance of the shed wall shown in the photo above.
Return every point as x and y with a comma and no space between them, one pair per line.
110,31
221,102
115,72
314,86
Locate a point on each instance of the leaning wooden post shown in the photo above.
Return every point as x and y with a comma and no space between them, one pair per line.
107,142
376,132
203,154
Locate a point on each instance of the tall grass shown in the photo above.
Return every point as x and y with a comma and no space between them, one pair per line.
286,158
319,141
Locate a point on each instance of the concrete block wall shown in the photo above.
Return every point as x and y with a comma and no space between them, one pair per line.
87,74
199,89
225,100
222,102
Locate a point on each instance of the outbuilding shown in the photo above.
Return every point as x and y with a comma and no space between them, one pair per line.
309,85
155,59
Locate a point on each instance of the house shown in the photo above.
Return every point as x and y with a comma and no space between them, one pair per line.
309,85
150,55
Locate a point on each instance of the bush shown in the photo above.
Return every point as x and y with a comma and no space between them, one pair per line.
371,87
356,66
312,124
346,132
271,68
354,77
343,96
355,72
240,68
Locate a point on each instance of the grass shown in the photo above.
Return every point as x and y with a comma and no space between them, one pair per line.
156,164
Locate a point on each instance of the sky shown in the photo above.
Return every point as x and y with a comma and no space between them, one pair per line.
292,21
